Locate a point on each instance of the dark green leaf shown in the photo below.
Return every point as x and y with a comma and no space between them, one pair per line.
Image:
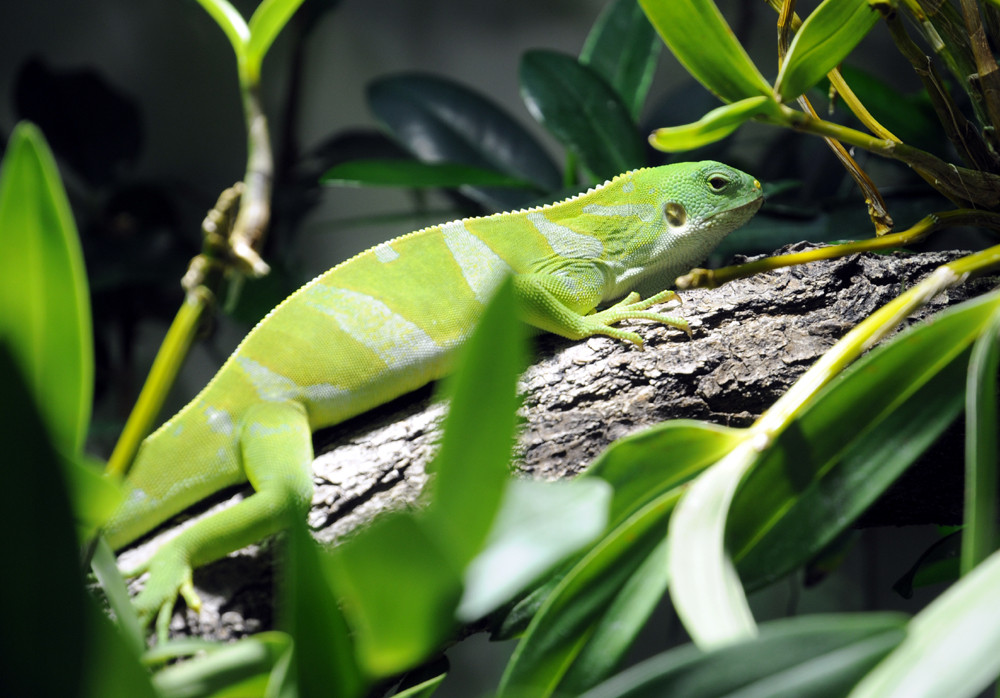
111,667
441,121
623,48
411,173
939,563
41,588
309,611
582,111
473,463
828,34
851,443
702,41
44,303
804,657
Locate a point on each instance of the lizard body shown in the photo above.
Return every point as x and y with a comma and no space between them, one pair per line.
386,322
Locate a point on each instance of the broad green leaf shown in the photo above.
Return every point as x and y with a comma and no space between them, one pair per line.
414,174
309,611
702,41
44,302
111,667
828,34
951,646
266,23
644,465
815,480
232,24
472,466
582,111
537,526
805,657
714,126
42,586
441,121
560,629
623,48
398,590
979,536
238,669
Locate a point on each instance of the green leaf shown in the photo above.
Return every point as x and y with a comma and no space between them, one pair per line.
939,563
238,669
414,174
441,121
828,34
309,611
398,590
44,302
702,41
42,587
232,24
642,466
951,646
805,657
538,525
890,405
622,47
714,126
111,667
424,689
473,462
95,498
979,536
561,627
267,21
582,111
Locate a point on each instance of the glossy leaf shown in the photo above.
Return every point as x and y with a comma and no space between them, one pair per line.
414,174
582,111
892,404
951,646
622,47
537,526
472,466
266,23
979,536
560,629
44,302
714,126
441,121
698,35
805,657
826,37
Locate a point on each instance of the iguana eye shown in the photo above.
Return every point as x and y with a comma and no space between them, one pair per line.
675,213
718,182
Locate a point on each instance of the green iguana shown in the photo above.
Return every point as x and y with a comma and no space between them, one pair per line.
385,323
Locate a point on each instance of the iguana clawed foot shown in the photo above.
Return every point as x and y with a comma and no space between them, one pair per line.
632,308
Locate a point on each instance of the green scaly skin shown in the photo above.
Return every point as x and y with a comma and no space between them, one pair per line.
385,323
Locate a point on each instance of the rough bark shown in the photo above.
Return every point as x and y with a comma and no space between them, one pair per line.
751,339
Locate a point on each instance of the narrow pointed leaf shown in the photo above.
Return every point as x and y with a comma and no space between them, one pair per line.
714,126
582,111
702,41
623,48
44,301
231,22
826,37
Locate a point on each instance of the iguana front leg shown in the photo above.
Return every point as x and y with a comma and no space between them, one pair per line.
554,303
276,451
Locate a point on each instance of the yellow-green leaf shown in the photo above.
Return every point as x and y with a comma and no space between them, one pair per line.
714,126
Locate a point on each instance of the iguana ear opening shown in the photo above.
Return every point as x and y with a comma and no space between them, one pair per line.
676,214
